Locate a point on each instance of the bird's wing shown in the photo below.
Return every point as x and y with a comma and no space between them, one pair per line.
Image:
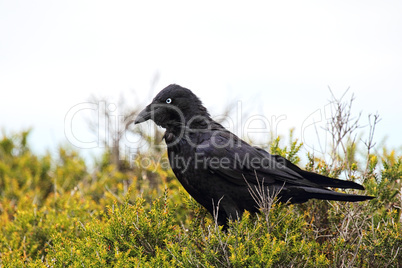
236,161
320,180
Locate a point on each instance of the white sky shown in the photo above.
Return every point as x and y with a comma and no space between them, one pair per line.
276,57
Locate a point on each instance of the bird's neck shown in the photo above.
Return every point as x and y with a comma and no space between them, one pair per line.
193,124
190,131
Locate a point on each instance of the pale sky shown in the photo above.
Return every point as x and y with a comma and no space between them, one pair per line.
276,57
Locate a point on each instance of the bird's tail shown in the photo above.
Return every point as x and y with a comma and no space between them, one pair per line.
330,182
302,194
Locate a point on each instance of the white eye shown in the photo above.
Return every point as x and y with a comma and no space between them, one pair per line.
168,100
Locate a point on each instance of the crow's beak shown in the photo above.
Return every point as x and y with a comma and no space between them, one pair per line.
144,115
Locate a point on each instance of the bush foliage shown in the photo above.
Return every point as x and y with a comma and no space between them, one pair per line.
56,212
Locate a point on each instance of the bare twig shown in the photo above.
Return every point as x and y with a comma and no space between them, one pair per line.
263,196
342,127
369,143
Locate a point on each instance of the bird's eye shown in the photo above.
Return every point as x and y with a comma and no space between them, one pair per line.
168,100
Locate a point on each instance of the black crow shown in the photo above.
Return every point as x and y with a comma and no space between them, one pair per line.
215,166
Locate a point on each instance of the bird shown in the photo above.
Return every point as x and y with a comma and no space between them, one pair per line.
222,172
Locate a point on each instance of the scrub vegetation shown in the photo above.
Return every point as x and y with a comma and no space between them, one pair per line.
55,211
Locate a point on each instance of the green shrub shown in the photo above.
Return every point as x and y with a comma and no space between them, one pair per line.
55,212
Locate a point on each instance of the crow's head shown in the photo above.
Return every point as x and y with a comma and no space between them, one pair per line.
173,106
